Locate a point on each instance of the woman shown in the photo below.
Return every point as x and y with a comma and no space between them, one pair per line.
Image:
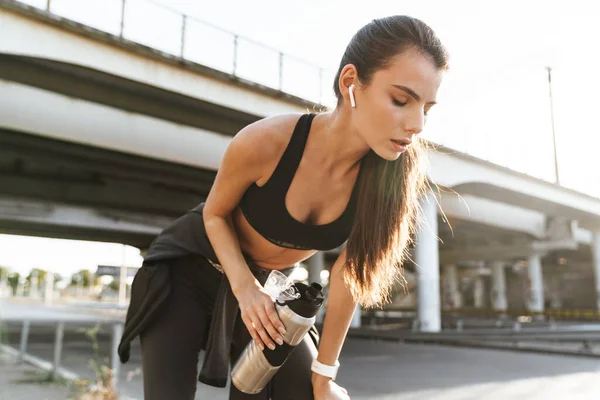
289,185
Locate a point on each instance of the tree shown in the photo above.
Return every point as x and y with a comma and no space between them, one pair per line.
13,281
41,277
83,275
114,285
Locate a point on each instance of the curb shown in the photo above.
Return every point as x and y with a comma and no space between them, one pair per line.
471,344
39,363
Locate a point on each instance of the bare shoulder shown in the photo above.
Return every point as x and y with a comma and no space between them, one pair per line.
263,141
250,157
269,134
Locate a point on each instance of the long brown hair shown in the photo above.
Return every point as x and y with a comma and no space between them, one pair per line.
389,191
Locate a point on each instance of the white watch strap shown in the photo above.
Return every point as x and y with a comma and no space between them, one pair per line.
325,370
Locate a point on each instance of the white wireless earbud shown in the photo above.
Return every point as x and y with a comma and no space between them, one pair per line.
351,91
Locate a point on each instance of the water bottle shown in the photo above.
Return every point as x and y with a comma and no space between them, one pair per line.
255,367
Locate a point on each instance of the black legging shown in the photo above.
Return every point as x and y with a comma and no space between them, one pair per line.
171,344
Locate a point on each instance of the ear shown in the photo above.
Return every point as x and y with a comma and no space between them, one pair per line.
348,77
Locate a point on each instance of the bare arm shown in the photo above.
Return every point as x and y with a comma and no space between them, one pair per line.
247,157
340,309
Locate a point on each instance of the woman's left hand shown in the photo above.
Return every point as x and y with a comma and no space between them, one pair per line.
326,389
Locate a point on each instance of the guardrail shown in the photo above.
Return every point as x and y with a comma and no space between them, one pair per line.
197,41
557,314
59,330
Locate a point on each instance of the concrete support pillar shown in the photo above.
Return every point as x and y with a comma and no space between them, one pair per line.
20,292
315,264
49,292
4,278
499,302
33,284
427,265
4,288
534,285
452,297
596,265
479,292
123,286
123,279
356,318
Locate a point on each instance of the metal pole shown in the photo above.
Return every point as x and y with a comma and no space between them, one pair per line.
183,26
552,123
235,54
24,340
122,18
58,342
281,72
114,355
48,5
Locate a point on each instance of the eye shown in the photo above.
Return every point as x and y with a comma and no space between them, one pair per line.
398,103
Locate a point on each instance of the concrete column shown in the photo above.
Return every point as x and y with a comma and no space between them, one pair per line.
315,264
123,286
4,278
427,265
479,292
499,302
356,318
123,279
20,287
4,288
33,284
49,292
451,291
596,265
555,300
535,286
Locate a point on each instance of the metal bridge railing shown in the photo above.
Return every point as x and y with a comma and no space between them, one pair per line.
59,331
189,38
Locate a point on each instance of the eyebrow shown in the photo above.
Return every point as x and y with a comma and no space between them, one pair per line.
412,93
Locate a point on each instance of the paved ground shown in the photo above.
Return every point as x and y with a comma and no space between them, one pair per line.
24,382
375,370
370,370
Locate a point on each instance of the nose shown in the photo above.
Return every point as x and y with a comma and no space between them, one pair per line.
415,122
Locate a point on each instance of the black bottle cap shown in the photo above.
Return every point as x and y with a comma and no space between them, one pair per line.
311,299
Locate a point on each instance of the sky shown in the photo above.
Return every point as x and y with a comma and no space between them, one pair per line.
494,102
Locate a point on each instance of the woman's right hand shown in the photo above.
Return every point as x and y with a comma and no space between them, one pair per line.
259,315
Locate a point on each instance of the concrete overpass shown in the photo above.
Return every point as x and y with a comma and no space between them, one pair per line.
103,138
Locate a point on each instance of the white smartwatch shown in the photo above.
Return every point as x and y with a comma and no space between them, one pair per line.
325,370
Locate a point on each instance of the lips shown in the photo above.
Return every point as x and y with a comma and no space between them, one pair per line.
402,142
399,146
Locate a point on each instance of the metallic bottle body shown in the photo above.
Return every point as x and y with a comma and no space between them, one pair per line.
252,371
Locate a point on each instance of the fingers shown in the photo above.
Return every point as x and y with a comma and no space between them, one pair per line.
274,318
261,325
252,330
269,329
261,320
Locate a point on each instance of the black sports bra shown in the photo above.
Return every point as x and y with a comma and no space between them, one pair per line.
264,206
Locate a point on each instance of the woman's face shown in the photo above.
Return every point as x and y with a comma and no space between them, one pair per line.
393,108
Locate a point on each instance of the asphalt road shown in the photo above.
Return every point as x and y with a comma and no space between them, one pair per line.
383,370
